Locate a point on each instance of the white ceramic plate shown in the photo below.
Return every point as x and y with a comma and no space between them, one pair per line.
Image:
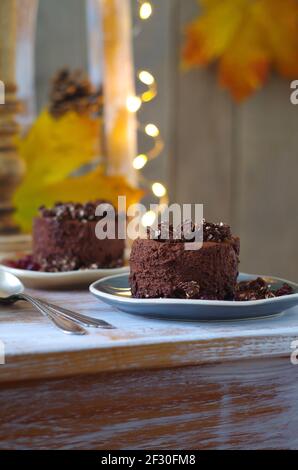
41,280
114,290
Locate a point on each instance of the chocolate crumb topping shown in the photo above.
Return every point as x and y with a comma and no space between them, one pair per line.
189,290
61,264
72,211
164,232
216,232
258,289
285,289
187,231
252,290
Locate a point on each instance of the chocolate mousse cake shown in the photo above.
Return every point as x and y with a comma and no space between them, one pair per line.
64,239
163,268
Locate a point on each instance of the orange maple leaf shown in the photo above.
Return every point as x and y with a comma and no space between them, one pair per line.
247,37
279,21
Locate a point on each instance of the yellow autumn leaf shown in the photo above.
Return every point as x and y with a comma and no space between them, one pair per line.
54,148
247,37
91,186
52,151
209,35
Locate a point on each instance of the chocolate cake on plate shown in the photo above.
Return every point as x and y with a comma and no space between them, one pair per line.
163,268
64,239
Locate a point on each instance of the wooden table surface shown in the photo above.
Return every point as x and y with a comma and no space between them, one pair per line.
31,341
147,384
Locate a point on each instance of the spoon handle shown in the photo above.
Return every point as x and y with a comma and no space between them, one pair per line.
65,324
83,319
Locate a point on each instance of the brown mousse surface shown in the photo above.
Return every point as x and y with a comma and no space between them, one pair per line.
163,268
64,239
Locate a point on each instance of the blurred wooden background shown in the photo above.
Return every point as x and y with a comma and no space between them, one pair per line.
239,160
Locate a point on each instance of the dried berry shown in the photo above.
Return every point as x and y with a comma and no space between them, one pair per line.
24,263
55,265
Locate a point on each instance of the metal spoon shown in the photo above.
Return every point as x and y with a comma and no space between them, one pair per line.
78,317
12,290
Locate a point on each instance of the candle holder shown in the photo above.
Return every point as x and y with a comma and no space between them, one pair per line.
109,35
111,65
11,168
16,42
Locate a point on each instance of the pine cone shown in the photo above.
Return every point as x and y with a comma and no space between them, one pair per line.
72,91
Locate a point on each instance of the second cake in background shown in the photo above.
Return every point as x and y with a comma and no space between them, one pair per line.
64,239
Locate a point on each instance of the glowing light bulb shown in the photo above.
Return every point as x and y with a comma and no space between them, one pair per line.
159,190
140,161
152,130
148,219
133,103
145,10
146,77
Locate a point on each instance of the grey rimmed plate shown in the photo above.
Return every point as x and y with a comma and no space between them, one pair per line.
115,290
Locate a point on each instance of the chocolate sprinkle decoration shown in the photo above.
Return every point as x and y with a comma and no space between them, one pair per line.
216,232
211,232
189,290
72,211
258,289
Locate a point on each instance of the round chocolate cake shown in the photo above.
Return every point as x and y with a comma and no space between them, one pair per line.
163,268
64,239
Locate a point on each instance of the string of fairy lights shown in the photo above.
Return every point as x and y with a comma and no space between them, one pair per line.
134,103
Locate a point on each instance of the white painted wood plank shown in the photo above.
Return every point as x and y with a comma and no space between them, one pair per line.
154,50
266,192
241,162
30,340
61,40
201,171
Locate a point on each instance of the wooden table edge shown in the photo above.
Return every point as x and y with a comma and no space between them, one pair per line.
143,356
